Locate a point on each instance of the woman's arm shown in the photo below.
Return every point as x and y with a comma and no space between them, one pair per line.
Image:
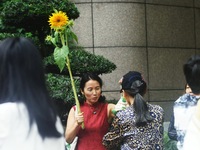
109,112
73,125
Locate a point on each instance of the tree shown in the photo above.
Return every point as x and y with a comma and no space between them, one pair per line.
29,18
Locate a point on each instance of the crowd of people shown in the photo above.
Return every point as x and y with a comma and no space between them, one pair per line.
29,120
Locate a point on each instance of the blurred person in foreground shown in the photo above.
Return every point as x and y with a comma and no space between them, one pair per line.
139,126
28,120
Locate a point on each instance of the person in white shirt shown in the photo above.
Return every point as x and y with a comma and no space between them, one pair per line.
28,120
192,74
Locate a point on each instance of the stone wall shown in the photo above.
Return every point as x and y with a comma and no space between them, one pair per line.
155,37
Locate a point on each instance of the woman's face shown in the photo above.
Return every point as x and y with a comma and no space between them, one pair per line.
92,91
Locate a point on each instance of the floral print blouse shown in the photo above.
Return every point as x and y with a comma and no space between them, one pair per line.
124,134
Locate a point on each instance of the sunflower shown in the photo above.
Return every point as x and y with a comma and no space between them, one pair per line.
58,20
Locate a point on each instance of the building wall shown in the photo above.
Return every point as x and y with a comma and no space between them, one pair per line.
155,37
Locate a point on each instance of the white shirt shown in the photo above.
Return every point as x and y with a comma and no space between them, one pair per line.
14,131
184,108
192,137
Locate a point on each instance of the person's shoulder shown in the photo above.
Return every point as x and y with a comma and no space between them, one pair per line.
12,108
9,112
8,106
182,99
187,98
126,112
158,108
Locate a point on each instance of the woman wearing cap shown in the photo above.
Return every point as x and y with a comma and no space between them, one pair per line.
139,126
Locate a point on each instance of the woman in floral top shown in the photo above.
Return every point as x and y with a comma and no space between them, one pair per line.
140,126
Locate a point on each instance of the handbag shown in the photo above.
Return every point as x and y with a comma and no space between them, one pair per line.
72,146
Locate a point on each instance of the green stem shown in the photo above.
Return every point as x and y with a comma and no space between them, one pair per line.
72,80
62,39
74,89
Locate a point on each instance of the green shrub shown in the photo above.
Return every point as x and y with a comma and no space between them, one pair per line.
29,18
60,87
168,143
81,62
21,16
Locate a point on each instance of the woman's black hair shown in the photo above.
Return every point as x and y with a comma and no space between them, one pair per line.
84,79
136,87
22,81
191,71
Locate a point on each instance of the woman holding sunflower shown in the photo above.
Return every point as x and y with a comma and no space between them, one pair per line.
90,120
95,113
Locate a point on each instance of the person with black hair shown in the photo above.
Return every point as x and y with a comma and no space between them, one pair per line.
172,133
28,120
192,75
184,107
96,115
139,126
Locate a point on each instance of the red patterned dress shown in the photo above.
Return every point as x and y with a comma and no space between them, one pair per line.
96,126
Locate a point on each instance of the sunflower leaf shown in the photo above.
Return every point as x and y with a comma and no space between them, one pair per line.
60,55
55,10
74,36
71,34
53,40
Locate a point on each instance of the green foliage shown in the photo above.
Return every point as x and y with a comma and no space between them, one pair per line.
81,62
17,17
84,61
60,55
60,87
29,18
168,143
16,12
